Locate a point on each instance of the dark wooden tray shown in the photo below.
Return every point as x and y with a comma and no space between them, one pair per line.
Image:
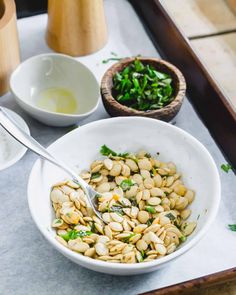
206,97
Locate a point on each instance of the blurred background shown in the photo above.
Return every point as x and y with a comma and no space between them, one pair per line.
210,25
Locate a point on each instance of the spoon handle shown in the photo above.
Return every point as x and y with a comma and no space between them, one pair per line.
28,141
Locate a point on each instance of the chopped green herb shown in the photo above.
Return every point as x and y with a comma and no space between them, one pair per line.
143,254
58,221
113,53
73,234
226,167
106,61
93,228
106,151
170,216
126,184
150,221
71,128
117,209
141,87
95,175
150,209
176,223
183,238
133,202
126,240
232,227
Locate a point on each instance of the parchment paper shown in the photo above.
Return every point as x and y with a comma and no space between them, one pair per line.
29,265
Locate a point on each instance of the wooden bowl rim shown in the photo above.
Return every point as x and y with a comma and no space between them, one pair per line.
107,95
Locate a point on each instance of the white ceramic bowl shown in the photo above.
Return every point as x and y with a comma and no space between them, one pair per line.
81,147
45,71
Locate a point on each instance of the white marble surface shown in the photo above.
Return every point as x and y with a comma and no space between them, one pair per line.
29,265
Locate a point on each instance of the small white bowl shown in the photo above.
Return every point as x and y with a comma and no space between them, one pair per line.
11,151
124,134
46,71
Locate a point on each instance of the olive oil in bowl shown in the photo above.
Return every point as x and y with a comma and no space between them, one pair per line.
57,100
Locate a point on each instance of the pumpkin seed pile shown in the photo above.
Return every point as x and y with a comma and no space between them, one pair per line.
144,206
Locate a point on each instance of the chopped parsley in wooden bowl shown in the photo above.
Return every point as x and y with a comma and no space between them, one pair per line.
147,87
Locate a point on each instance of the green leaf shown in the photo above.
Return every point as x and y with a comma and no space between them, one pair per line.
105,61
126,184
226,167
232,227
150,221
170,216
150,209
95,175
133,202
160,75
106,151
138,65
143,254
74,234
183,238
117,209
126,240
113,53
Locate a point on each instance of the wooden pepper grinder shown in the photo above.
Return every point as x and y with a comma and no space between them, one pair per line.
9,43
76,27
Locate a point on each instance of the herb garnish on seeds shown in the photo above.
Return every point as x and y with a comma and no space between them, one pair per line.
142,87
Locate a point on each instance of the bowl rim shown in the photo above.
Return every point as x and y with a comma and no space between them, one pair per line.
108,97
136,266
43,111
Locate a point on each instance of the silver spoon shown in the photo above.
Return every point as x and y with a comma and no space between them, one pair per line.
28,141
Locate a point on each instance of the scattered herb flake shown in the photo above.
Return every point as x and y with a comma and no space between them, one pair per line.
150,221
232,227
106,151
133,202
93,228
226,167
126,184
95,175
150,209
170,216
106,61
143,254
126,240
71,128
113,53
183,238
117,209
73,234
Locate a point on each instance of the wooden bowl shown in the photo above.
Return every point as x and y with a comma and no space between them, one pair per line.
167,113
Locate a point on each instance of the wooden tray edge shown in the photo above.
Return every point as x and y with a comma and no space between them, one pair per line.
207,98
197,284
